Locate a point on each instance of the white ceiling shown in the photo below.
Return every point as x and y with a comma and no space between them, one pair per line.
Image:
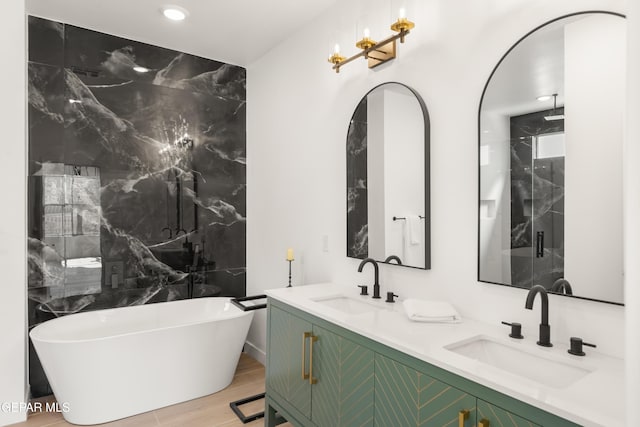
533,68
233,31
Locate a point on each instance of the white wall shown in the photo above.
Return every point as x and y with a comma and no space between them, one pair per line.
13,217
495,198
404,174
632,212
595,51
298,116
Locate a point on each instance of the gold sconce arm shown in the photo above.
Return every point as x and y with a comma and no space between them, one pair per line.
376,53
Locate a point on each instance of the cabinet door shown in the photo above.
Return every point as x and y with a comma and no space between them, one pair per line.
343,393
407,397
499,417
285,361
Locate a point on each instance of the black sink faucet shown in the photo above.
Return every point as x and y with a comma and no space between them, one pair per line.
376,285
545,329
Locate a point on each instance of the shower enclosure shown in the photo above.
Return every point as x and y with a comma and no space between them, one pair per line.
537,153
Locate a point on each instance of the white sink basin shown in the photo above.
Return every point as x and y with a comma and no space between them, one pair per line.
347,304
521,362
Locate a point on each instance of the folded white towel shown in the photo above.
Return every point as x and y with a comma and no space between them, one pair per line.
430,311
414,227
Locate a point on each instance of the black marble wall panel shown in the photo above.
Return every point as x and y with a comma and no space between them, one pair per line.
537,203
167,217
46,41
357,208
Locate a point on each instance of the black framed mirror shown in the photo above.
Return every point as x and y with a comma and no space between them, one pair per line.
550,132
388,197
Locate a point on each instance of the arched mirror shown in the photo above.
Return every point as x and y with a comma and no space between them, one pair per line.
388,215
550,160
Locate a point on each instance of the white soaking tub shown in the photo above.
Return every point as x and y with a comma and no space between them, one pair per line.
111,364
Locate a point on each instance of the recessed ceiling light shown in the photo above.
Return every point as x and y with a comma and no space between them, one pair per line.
175,13
140,69
544,97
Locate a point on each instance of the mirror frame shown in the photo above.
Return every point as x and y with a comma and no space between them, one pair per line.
427,176
484,90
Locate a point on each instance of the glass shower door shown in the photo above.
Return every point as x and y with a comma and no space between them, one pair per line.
547,211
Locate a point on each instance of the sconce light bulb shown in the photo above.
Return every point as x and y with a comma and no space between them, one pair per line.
402,13
336,48
367,33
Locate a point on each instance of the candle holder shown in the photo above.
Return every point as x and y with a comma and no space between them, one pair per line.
289,261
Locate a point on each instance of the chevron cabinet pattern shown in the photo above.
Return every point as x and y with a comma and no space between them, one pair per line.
343,395
406,397
499,417
285,359
323,375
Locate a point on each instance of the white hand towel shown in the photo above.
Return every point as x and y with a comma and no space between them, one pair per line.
414,228
430,311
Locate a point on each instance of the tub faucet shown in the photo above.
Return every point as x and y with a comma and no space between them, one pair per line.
545,329
376,285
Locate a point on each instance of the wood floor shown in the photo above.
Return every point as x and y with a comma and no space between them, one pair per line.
208,411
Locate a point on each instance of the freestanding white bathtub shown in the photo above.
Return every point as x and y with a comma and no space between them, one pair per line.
111,364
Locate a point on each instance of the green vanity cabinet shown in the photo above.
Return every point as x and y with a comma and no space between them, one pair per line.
285,359
499,417
336,386
343,393
407,397
320,374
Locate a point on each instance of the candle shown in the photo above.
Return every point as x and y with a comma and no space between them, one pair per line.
367,33
289,254
336,49
402,13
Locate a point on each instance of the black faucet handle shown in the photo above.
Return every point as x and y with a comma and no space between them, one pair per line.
576,346
516,330
390,296
363,289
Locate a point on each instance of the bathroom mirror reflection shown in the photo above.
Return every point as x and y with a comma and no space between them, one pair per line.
388,178
550,159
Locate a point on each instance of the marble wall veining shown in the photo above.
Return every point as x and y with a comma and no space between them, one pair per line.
137,179
357,184
537,203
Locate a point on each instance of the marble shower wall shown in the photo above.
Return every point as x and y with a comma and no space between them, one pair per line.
357,202
137,185
537,203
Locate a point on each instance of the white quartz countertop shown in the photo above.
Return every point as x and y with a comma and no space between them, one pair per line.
597,399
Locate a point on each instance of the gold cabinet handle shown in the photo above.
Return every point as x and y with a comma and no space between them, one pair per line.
462,417
484,423
311,379
305,335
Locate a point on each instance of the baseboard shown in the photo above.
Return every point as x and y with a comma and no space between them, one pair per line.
255,352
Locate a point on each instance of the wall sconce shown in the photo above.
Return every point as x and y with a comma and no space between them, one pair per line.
375,53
